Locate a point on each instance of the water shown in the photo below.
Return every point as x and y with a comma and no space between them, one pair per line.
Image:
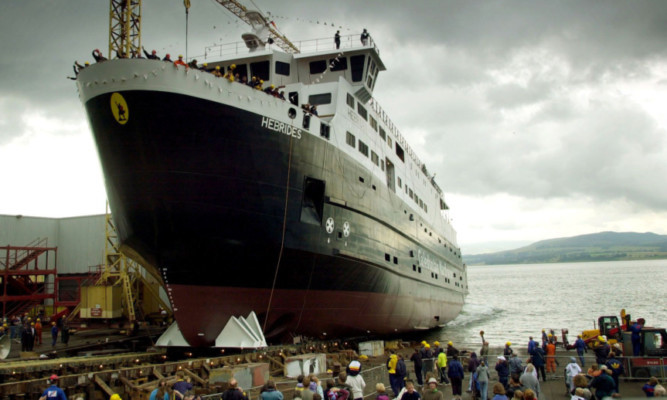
513,302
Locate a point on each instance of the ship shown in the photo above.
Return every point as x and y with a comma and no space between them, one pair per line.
323,222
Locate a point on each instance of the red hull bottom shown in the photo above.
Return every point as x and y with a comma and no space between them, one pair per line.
203,311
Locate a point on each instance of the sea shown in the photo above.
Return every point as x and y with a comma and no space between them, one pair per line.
513,302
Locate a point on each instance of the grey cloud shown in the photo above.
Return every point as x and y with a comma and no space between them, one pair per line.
513,95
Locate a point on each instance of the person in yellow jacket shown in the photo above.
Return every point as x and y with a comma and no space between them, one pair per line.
393,378
442,367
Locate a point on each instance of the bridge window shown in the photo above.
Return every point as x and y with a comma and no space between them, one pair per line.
260,70
350,101
400,153
357,67
383,134
374,123
317,67
242,70
363,148
282,68
375,158
338,64
317,99
400,182
350,139
362,111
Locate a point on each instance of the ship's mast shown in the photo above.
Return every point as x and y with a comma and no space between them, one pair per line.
124,27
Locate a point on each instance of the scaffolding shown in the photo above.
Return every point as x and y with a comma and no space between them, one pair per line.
136,282
28,274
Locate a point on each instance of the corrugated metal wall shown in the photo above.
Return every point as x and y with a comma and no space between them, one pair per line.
80,240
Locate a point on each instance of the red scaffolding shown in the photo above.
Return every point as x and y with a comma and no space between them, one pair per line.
28,275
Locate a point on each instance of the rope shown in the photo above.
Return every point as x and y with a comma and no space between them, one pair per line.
282,240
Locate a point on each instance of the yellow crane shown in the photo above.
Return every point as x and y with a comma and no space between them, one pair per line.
125,25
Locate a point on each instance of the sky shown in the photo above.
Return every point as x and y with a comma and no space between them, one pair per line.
541,119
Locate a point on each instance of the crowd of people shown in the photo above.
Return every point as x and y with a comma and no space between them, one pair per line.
436,366
232,76
28,332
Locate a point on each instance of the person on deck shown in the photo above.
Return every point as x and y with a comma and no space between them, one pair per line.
571,370
442,366
391,368
427,361
53,391
515,365
416,359
432,392
581,348
603,384
538,359
551,357
483,379
54,334
355,380
38,332
364,37
451,350
503,370
473,364
152,56
636,328
180,62
602,351
531,344
337,39
616,367
507,351
97,55
456,374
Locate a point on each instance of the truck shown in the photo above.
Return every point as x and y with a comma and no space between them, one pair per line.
653,344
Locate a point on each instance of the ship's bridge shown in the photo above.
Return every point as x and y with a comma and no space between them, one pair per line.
319,61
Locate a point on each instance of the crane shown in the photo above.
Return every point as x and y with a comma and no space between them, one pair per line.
125,25
242,13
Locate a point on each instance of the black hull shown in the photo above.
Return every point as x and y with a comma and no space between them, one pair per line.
215,199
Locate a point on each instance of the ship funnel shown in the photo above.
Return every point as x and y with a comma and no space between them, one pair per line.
259,36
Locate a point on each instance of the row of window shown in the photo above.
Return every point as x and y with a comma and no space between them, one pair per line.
261,69
351,140
340,64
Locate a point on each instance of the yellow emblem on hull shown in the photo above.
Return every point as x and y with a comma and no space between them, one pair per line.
119,108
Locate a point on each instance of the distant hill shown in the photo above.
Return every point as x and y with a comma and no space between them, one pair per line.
603,246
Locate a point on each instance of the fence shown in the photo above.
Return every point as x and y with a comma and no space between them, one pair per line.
636,369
